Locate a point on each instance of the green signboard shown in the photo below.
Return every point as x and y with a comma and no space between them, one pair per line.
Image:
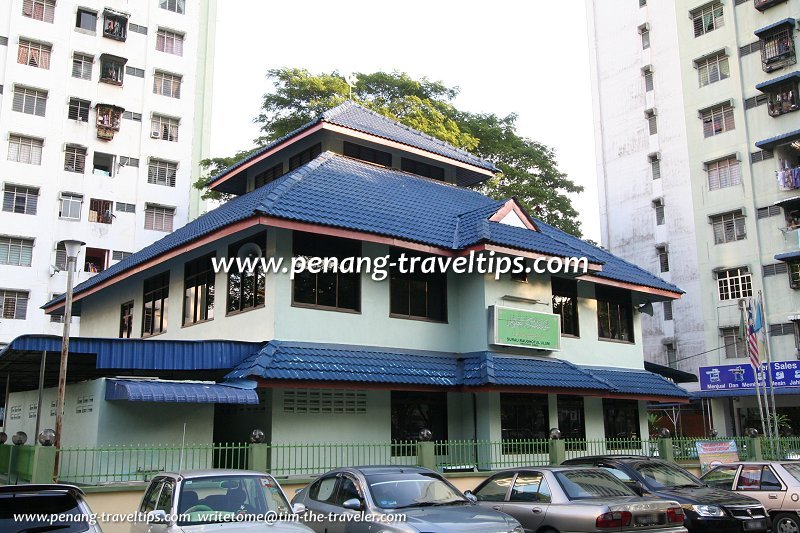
526,329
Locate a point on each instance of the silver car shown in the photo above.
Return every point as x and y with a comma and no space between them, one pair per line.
576,499
395,499
215,500
64,508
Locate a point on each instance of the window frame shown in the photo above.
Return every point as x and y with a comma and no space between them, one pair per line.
78,109
304,156
36,54
35,147
420,168
158,172
736,349
199,281
562,289
723,173
21,299
155,290
612,424
71,199
728,227
717,119
164,128
734,283
12,193
180,6
712,68
46,13
126,320
256,281
79,65
432,281
166,213
615,301
320,246
29,101
19,247
164,36
707,18
167,84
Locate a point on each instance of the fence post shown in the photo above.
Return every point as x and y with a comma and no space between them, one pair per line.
258,457
754,449
5,456
44,463
426,454
558,451
665,449
13,465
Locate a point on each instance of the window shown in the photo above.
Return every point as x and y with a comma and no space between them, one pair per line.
305,156
133,71
783,98
160,172
728,227
644,31
523,417
417,295
103,164
667,308
86,20
755,101
130,115
769,211
155,305
571,419
761,155
118,255
158,218
658,206
96,260
777,48
100,211
723,173
125,161
655,165
115,25
717,119
176,6
647,73
614,314
774,269
621,420
324,401
412,412
734,283
672,355
58,319
749,48
20,199
268,175
365,153
13,304
164,128
70,206
112,69
78,109
43,10
713,68
776,330
496,488
125,208
642,3
565,304
246,289
75,158
662,252
652,121
732,343
33,54
794,275
422,169
82,66
29,101
707,18
327,289
169,42
15,251
167,84
26,150
198,291
137,28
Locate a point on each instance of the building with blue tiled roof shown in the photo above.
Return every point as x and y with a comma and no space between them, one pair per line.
369,356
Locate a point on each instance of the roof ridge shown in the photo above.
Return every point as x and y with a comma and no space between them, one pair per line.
293,178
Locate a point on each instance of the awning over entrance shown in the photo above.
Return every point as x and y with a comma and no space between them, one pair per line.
143,390
741,392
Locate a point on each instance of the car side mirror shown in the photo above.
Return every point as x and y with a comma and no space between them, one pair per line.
354,504
471,496
299,508
157,517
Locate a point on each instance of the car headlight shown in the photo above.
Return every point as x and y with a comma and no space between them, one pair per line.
709,510
518,529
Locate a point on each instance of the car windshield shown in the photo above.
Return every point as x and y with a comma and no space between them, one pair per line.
793,469
412,489
590,484
63,506
658,475
225,498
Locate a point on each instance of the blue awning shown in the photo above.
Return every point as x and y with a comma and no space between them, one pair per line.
636,382
765,86
730,393
142,390
788,256
784,22
784,138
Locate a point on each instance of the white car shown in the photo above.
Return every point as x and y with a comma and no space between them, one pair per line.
215,500
63,505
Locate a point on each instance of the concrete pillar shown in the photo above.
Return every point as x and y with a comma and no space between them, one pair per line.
426,454
5,456
754,449
488,429
665,450
44,464
558,452
258,457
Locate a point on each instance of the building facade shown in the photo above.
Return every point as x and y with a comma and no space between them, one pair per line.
104,116
697,138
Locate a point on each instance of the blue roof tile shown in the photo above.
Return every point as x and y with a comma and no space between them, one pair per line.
783,138
631,381
486,368
143,390
784,22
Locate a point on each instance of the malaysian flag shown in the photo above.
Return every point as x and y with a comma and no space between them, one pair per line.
752,341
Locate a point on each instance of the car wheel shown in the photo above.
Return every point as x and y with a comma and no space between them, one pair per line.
786,523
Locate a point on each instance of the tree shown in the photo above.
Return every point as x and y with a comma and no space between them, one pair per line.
529,170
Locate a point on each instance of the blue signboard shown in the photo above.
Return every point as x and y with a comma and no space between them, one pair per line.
731,377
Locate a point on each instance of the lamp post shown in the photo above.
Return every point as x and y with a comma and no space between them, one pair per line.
72,248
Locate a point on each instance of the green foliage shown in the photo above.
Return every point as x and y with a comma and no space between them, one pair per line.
529,171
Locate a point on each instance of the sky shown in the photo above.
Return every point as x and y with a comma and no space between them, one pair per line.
514,57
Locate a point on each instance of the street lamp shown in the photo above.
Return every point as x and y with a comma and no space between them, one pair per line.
72,248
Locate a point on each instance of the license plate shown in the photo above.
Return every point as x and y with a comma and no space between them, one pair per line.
755,524
647,520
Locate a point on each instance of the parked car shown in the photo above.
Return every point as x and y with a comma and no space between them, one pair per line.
232,500
64,503
707,509
776,484
397,499
576,499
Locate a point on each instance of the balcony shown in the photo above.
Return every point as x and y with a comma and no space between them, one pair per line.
112,69
777,45
109,118
100,211
115,25
763,5
782,94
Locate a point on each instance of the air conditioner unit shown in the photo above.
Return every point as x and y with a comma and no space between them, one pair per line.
155,135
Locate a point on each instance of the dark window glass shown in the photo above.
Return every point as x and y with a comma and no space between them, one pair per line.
154,311
422,169
614,314
126,320
370,155
565,304
198,291
621,419
530,487
323,490
86,20
415,411
417,294
495,488
305,156
268,175
571,421
165,499
327,289
347,491
246,289
523,417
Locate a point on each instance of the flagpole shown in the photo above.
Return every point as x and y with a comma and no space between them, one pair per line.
768,349
755,363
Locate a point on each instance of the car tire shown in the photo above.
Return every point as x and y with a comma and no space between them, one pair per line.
786,523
